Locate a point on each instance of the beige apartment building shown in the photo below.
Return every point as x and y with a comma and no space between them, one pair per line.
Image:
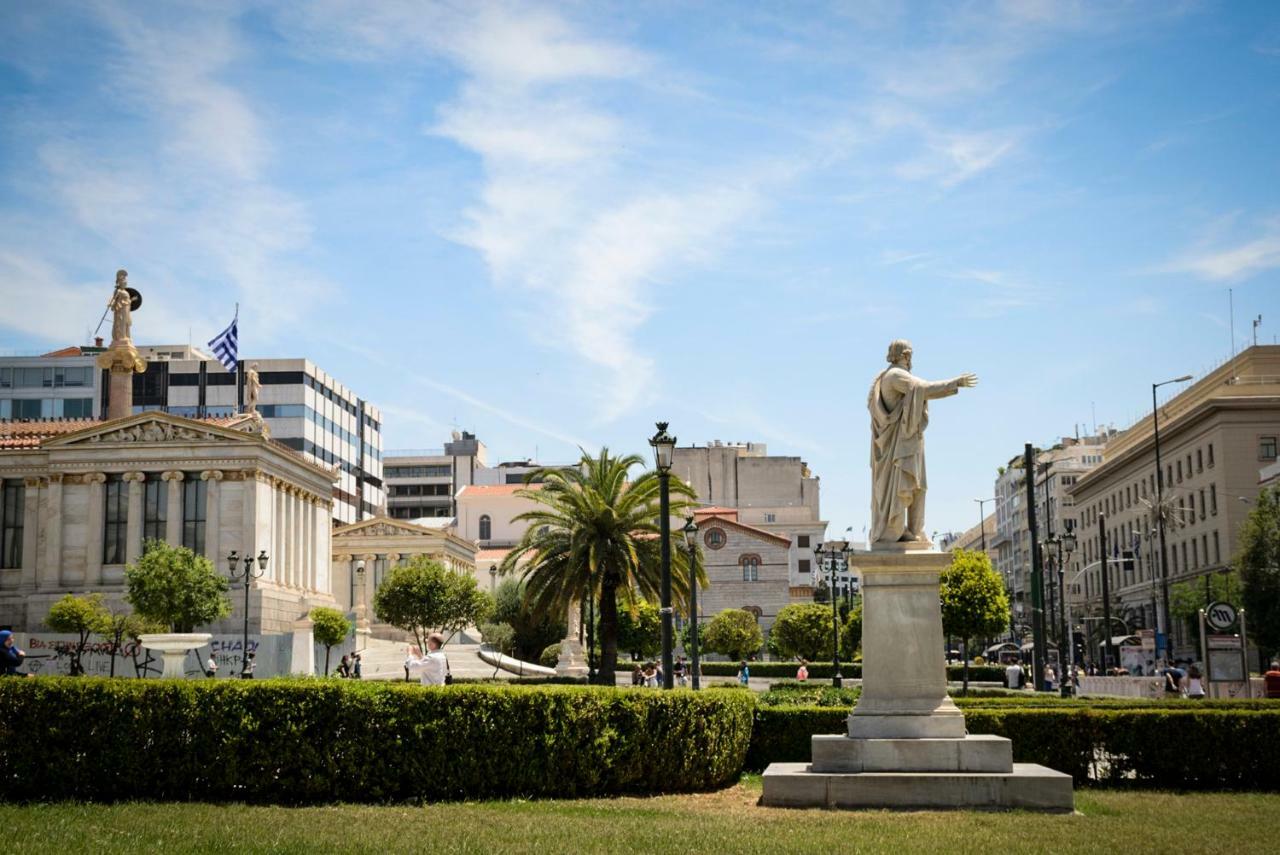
1215,437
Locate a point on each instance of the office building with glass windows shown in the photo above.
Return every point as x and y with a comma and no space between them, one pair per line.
305,408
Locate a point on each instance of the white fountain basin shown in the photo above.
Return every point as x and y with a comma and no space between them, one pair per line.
173,647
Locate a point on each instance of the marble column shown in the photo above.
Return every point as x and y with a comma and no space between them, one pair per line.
213,514
94,529
277,532
299,553
309,538
31,531
173,509
133,522
249,526
49,575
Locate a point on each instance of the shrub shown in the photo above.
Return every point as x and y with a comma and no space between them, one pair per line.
550,655
330,628
424,595
80,616
301,741
802,631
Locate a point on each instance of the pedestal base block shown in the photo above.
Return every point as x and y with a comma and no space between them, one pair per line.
971,754
1027,786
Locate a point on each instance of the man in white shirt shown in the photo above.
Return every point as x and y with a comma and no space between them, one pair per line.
433,666
1013,675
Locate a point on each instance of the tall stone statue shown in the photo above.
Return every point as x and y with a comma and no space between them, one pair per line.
252,388
121,308
899,414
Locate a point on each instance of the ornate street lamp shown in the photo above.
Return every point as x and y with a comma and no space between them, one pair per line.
691,541
248,575
1164,567
839,550
664,446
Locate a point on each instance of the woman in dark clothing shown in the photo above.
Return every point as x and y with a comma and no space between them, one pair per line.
11,655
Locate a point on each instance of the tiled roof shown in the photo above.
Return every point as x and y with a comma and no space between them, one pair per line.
716,512
492,554
496,489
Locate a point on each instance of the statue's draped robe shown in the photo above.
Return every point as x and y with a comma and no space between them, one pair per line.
899,408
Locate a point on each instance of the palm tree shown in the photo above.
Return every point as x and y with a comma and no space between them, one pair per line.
596,536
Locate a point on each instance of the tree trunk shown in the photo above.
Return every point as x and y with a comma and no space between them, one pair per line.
327,648
964,654
608,630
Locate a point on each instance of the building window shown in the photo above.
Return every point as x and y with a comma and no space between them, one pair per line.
1211,454
804,565
194,499
802,541
1202,505
155,507
486,527
1179,471
770,518
755,612
1217,549
1199,460
1267,447
750,568
714,538
12,508
115,521
1213,499
1204,545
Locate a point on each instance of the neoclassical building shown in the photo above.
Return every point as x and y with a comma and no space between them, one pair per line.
747,567
80,497
365,552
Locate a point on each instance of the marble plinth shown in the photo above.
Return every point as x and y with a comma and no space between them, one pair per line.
1025,786
837,753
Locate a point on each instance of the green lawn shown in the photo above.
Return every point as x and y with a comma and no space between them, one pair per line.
724,821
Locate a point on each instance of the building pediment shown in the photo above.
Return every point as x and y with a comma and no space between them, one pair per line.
385,527
161,428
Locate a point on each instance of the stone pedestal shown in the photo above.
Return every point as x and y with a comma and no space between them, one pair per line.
122,360
906,745
572,662
173,648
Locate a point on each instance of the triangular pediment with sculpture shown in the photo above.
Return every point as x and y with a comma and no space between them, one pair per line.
164,428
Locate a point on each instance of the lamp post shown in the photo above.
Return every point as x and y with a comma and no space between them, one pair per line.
1066,545
1164,567
839,549
664,446
691,541
248,575
982,520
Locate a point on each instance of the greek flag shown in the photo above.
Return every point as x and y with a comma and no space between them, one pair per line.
225,345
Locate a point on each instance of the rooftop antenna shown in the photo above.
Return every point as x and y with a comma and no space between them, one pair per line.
1257,322
1093,411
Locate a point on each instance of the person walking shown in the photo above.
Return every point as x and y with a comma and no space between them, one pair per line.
211,667
1013,675
250,662
355,666
344,667
680,672
744,674
802,673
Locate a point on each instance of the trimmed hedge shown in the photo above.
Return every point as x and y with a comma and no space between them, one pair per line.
824,671
1178,748
322,741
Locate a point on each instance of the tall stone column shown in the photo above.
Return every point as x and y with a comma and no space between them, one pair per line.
310,541
50,573
299,553
250,538
94,529
173,509
213,514
133,523
31,531
277,532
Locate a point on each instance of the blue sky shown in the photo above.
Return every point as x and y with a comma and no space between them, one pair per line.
554,224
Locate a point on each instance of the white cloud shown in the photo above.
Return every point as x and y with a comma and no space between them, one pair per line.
1233,262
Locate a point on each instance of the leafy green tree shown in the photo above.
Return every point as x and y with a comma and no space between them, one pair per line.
974,601
734,633
593,536
1186,599
532,631
330,628
640,630
1258,560
500,637
117,624
802,631
423,596
79,616
172,586
851,632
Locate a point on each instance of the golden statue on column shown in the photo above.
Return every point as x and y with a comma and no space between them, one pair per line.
121,357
